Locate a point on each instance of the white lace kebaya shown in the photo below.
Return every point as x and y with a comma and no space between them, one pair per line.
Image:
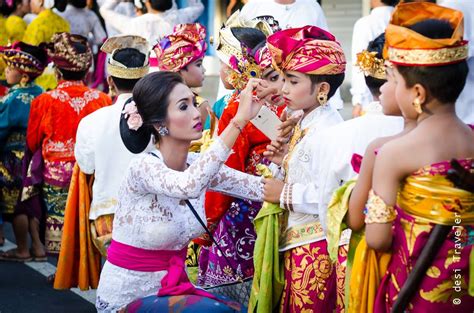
152,214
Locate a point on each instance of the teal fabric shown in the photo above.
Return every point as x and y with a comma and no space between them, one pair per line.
15,110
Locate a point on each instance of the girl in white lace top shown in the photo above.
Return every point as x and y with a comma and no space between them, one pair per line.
152,214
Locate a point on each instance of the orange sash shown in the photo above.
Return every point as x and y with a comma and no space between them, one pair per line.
79,260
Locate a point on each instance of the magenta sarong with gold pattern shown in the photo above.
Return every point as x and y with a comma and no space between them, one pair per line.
310,280
427,198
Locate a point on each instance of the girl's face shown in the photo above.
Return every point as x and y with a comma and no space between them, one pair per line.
387,95
405,96
224,74
24,7
274,81
298,92
193,75
184,119
12,75
36,6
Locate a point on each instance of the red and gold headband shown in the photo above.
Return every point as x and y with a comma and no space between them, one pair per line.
185,45
404,46
309,50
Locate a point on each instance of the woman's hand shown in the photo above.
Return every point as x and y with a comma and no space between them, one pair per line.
250,103
276,151
272,190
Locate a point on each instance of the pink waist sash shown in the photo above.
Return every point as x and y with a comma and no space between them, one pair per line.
174,283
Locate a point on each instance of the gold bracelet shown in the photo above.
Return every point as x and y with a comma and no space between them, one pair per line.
377,211
236,125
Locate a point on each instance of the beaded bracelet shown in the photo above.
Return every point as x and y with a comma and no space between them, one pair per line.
377,211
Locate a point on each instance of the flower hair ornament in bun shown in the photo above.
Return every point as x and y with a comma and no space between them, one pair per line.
135,135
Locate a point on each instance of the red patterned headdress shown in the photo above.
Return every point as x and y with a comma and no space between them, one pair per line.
64,52
185,45
308,50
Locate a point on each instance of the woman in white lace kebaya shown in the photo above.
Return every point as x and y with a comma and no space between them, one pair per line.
153,223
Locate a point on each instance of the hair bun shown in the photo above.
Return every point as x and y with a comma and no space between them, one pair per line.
135,141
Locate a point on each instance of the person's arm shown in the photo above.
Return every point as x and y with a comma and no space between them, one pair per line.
238,184
297,197
118,21
157,178
4,121
388,173
190,13
84,147
360,193
35,130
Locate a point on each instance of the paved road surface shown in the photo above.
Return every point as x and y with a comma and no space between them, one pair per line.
23,288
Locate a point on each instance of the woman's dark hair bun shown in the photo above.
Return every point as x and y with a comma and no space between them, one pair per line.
135,141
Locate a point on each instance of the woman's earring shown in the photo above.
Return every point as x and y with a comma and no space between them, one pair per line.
163,131
322,98
417,106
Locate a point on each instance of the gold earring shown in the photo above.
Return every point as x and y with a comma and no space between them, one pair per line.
322,98
23,81
417,106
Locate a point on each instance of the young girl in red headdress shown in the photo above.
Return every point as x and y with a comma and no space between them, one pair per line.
313,63
233,229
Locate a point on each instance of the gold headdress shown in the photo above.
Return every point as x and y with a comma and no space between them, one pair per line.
119,70
404,46
371,65
230,50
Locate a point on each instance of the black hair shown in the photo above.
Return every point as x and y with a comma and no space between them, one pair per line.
373,83
334,81
161,5
390,2
6,10
131,58
37,52
78,3
73,75
151,95
60,5
445,82
257,47
250,37
411,1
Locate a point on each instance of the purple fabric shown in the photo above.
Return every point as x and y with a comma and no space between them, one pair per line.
33,206
236,237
